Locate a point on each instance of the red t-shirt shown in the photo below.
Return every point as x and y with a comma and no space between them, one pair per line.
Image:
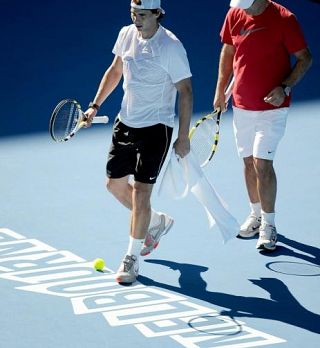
263,46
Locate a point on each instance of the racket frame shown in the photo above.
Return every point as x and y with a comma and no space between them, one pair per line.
215,115
81,121
211,117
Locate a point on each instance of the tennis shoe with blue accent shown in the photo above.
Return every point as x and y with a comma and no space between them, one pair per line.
128,270
267,237
155,233
250,227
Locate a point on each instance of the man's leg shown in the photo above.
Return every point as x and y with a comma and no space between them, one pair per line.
251,226
140,219
258,135
159,223
266,184
261,184
122,190
135,197
141,209
267,190
251,179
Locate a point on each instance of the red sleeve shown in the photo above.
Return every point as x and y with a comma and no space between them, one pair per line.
293,36
225,32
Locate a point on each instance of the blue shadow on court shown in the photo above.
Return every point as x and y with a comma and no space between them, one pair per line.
302,251
292,248
281,306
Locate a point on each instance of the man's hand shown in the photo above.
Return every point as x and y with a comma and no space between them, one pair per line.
182,146
90,114
275,97
219,102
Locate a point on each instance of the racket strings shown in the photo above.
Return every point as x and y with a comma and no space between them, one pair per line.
203,140
66,121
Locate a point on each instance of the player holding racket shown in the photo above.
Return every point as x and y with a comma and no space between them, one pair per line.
154,67
259,36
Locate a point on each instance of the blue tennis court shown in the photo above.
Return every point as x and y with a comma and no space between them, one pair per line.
56,216
193,291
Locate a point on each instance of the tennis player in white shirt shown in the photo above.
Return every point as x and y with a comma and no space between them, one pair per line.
155,69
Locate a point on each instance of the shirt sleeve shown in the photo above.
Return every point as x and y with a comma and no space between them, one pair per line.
117,48
177,64
225,32
293,35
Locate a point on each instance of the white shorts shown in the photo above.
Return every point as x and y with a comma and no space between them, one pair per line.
258,133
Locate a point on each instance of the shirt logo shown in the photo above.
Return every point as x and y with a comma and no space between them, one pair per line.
145,50
244,32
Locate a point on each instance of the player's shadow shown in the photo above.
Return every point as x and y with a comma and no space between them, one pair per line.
293,248
281,306
296,249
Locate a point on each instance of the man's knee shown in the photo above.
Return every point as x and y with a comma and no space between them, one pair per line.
249,163
110,185
142,194
263,167
117,187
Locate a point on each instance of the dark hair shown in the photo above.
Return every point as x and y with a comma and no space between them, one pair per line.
157,11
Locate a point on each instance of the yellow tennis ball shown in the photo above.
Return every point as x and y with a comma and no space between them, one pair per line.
98,264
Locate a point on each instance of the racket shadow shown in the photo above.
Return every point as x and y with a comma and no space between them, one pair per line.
274,307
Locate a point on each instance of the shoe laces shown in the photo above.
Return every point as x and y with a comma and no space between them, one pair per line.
267,230
156,227
149,240
128,262
251,219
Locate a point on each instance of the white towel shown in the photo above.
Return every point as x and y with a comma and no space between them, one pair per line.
184,175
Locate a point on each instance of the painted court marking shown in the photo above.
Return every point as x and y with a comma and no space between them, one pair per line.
153,312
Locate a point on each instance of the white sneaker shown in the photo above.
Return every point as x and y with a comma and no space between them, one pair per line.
250,227
128,270
267,237
155,233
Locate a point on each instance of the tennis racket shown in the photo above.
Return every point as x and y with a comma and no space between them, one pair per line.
204,135
68,118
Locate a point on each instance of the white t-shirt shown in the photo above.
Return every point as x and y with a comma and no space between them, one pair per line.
151,67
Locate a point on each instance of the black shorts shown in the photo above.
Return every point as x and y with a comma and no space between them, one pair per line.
140,152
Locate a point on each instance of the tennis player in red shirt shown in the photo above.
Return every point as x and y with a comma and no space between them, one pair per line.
259,37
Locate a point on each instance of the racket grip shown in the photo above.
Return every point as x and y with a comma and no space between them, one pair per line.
228,91
100,119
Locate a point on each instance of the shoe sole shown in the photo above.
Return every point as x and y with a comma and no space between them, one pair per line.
155,245
124,280
249,235
264,247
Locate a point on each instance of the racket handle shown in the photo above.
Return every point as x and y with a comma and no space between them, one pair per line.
228,91
100,119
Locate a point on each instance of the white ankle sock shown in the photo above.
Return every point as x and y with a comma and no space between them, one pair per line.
135,246
268,218
256,209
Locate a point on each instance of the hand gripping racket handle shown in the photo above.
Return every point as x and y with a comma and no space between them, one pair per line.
100,119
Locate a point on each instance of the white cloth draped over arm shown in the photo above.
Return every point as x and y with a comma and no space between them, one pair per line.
184,175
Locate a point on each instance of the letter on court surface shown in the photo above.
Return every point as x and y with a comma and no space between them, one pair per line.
137,296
